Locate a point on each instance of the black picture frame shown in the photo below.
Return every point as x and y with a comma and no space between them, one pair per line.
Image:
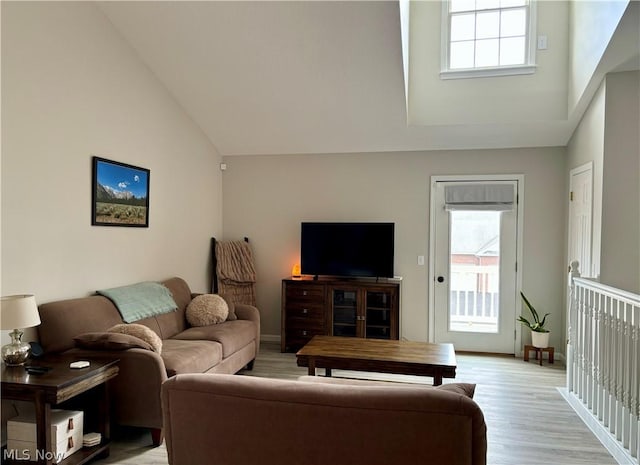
119,194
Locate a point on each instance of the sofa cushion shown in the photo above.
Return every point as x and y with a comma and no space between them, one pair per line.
465,389
360,382
63,320
139,331
233,335
207,309
110,341
169,324
182,356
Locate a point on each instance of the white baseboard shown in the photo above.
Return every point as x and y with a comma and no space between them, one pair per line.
270,338
619,453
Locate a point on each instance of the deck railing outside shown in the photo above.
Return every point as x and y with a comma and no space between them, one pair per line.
474,298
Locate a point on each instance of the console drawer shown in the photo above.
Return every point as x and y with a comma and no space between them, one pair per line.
309,324
305,293
305,311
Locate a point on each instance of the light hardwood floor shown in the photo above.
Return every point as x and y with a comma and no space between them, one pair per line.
528,421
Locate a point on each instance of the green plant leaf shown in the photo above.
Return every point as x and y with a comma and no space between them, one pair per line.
537,325
525,322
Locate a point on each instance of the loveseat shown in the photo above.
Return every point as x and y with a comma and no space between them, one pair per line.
245,420
226,347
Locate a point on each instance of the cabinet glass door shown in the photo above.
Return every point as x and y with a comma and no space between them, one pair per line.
378,308
345,312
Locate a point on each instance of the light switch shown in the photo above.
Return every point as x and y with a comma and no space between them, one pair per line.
421,260
542,42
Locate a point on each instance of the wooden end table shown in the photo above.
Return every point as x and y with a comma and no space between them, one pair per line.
59,384
379,355
528,348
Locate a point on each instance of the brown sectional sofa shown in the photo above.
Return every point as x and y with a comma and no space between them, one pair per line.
238,420
135,393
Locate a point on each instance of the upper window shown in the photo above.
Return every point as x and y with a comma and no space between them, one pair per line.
487,38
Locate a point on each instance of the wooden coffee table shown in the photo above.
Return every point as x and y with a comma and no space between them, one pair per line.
379,355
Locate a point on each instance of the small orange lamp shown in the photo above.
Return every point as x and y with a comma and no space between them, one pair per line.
295,271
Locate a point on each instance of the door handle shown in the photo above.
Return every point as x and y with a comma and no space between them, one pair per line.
440,279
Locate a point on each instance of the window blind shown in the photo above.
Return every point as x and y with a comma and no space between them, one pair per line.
479,196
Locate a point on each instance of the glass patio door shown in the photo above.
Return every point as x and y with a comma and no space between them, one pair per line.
475,265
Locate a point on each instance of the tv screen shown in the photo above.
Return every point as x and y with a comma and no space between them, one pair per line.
347,249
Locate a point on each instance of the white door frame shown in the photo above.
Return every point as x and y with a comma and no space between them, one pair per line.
519,247
591,272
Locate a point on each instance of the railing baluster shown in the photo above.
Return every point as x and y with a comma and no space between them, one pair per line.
606,379
591,353
598,348
603,357
619,371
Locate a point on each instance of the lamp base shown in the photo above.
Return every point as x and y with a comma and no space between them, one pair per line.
16,352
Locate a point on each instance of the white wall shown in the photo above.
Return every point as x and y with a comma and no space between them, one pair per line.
495,99
592,25
587,144
266,198
72,88
621,183
608,136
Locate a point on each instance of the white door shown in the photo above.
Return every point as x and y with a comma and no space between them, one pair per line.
474,267
580,212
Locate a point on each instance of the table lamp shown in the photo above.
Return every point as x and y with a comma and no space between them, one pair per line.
17,311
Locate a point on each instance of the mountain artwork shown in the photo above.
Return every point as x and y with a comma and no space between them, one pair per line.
120,194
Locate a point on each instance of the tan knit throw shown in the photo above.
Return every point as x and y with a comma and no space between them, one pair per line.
236,272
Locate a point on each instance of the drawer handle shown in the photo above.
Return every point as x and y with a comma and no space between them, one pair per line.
304,333
305,311
70,443
70,426
304,292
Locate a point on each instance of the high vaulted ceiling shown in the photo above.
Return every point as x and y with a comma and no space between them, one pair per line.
327,77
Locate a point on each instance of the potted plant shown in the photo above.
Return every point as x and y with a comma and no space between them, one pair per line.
539,335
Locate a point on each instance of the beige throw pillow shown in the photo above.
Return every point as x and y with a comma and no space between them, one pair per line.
141,332
207,309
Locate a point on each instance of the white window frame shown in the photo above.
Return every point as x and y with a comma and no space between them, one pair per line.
508,70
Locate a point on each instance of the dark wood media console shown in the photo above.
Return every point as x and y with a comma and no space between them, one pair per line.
366,308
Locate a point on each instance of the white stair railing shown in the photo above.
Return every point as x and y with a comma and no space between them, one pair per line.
603,359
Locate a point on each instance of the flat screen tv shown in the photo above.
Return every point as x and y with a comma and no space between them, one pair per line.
347,249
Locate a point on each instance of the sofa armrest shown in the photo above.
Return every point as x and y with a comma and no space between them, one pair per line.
251,313
136,389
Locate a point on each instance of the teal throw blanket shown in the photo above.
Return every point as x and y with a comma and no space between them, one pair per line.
141,300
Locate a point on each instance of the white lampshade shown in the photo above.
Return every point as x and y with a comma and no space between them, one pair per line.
18,311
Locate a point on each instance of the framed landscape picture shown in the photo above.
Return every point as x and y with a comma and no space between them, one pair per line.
120,195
